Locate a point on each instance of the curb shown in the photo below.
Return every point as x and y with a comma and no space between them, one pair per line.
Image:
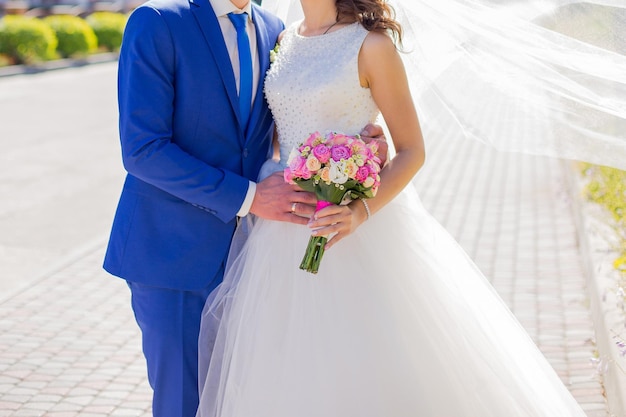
12,70
594,235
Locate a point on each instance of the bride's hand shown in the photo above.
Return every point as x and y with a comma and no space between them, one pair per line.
338,222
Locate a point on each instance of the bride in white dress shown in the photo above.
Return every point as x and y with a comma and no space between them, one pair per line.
398,322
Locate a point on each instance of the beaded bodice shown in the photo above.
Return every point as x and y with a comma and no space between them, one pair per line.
313,85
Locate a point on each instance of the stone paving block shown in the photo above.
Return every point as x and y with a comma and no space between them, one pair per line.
73,347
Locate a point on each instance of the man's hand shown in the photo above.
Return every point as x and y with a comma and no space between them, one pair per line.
373,132
277,200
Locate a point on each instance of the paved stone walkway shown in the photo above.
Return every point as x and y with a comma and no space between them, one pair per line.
70,347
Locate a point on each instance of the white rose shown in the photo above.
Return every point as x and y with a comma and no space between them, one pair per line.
337,172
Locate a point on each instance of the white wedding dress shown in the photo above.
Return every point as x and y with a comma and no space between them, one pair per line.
398,322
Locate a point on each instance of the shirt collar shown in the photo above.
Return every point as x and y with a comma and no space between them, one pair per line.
223,7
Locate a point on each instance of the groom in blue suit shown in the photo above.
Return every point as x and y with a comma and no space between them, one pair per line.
192,148
195,129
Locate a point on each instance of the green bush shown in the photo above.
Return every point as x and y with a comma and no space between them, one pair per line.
26,40
109,28
607,187
74,34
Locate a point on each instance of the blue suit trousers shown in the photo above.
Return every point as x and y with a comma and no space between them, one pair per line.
170,324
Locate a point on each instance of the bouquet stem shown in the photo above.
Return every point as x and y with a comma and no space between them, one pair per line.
315,248
313,254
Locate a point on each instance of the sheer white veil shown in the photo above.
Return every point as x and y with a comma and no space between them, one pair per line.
482,68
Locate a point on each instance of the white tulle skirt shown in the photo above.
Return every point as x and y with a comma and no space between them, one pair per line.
398,322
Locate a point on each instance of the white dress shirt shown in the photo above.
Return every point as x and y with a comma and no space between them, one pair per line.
222,8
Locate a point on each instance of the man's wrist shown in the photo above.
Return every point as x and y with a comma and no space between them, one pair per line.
247,201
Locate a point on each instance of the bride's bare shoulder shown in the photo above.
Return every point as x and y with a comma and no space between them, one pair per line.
378,58
378,42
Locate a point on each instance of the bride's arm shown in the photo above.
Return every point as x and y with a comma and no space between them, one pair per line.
382,71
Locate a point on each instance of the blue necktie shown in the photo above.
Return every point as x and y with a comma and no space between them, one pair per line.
240,22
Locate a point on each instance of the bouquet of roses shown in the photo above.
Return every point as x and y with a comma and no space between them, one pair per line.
337,168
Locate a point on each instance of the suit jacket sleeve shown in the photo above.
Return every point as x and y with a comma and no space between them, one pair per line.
146,95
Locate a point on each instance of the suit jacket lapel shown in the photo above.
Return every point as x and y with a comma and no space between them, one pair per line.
263,47
207,20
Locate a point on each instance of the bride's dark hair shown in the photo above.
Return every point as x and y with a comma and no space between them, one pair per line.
374,15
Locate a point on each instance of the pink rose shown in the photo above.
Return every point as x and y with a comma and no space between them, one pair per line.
299,169
322,153
340,152
304,173
338,138
288,176
315,139
362,174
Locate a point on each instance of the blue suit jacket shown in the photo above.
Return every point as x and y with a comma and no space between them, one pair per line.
188,157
